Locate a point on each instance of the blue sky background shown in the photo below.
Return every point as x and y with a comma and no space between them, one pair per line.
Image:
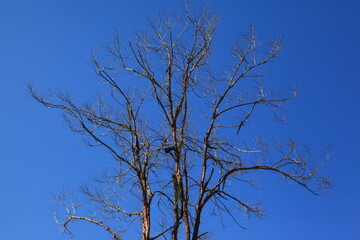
48,43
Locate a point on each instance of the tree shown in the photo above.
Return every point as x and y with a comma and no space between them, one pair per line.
184,160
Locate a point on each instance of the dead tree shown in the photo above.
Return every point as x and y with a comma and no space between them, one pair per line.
171,124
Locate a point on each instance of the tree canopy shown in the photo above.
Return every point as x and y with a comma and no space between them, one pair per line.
173,126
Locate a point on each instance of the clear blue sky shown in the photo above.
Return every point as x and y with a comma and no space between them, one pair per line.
48,44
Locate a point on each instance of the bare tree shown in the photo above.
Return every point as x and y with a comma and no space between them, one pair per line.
170,125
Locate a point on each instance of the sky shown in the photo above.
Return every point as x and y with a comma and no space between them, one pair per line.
48,43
